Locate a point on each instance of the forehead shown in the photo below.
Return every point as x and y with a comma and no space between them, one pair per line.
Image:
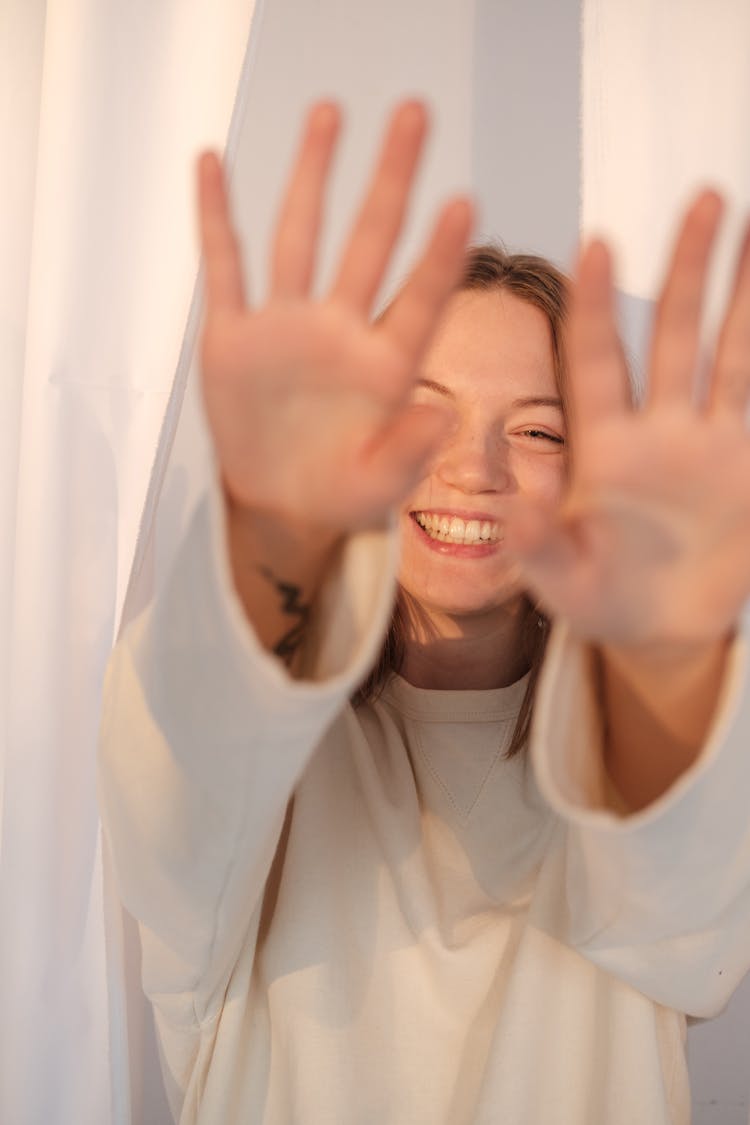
492,337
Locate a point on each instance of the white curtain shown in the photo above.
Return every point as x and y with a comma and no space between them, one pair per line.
103,106
665,103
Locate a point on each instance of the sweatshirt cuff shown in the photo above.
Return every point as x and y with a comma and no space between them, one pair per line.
567,737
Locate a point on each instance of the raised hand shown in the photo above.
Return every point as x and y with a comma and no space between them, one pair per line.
308,401
651,544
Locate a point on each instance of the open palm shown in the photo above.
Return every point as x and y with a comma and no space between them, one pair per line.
652,540
308,401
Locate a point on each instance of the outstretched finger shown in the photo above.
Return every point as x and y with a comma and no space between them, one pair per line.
674,348
298,229
221,252
412,317
380,219
598,373
730,380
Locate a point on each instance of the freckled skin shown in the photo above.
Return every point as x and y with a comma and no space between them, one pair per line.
492,350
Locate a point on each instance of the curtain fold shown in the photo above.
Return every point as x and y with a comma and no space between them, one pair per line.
21,51
665,103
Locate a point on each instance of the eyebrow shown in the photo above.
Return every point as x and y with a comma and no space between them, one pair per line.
537,400
439,388
517,404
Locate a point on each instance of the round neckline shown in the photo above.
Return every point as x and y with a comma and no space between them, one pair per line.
447,705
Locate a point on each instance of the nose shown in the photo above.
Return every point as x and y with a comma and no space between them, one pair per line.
475,459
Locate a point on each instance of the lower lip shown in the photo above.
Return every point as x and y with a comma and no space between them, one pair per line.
459,550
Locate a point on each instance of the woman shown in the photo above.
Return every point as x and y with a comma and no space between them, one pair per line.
371,913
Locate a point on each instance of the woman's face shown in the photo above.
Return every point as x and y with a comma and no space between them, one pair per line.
491,365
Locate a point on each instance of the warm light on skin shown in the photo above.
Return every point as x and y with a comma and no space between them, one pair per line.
491,365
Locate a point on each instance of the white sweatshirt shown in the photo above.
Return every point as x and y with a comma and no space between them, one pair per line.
370,916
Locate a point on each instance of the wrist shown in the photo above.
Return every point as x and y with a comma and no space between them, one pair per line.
262,539
658,703
278,566
666,660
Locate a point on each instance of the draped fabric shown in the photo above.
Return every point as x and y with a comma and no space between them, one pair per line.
103,108
665,104
665,108
589,113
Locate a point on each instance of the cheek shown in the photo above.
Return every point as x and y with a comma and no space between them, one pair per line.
543,477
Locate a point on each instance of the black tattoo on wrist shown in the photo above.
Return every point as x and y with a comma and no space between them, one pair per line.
291,606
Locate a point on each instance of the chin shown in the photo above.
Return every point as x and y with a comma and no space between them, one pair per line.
465,602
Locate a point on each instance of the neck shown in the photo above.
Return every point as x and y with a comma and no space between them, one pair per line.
464,653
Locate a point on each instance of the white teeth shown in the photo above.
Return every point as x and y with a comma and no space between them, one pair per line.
455,530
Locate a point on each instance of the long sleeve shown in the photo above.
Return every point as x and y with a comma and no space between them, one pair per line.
660,898
204,737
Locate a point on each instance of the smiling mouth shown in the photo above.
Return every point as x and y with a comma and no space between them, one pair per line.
452,529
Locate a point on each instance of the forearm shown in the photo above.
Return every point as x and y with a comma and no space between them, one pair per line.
203,741
277,569
658,703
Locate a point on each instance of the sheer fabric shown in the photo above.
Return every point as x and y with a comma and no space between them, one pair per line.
102,108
